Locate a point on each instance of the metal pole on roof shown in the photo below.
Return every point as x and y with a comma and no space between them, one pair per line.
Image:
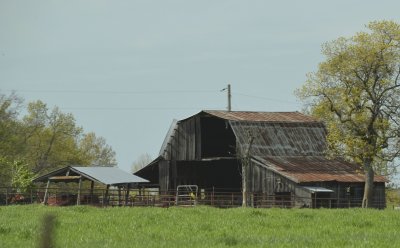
229,98
228,89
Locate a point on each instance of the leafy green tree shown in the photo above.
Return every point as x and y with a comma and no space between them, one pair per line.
10,128
51,138
15,174
95,151
5,172
356,91
45,140
10,135
21,177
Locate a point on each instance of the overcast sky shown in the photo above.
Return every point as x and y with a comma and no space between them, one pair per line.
126,69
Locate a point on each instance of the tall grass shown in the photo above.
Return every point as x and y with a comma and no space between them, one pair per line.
201,227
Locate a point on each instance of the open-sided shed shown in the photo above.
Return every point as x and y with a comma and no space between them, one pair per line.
108,176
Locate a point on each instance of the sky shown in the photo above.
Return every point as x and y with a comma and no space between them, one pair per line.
126,69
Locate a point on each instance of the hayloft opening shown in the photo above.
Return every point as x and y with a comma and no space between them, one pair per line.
217,138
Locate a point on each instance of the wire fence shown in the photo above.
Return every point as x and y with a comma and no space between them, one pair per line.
153,198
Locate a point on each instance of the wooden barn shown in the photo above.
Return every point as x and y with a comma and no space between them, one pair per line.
285,154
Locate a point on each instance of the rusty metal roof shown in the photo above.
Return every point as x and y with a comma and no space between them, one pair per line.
261,116
316,169
281,139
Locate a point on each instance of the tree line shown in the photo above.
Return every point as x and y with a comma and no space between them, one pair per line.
43,139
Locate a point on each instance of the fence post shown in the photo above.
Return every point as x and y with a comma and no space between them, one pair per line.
294,200
6,196
78,198
212,197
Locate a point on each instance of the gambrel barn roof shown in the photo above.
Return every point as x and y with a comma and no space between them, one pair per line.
289,143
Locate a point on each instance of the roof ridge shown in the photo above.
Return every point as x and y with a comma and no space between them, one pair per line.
260,116
251,111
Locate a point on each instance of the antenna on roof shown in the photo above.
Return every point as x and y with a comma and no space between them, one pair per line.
229,96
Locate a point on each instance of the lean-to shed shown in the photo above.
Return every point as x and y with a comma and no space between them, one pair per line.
108,176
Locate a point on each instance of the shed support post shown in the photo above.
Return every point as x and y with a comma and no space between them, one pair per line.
105,200
46,193
119,195
78,198
91,191
127,194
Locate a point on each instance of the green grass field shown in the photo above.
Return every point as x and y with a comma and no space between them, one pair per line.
201,227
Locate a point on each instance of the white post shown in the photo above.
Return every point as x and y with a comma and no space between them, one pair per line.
46,193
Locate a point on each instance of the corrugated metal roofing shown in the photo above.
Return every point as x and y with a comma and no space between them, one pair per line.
281,139
110,175
105,175
261,116
317,169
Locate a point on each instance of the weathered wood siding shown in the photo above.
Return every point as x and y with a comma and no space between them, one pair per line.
262,180
185,141
164,178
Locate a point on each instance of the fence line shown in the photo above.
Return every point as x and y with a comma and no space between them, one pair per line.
148,197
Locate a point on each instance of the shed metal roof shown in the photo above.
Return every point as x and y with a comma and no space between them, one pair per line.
110,175
104,175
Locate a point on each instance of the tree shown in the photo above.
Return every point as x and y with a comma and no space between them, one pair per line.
10,138
141,161
22,177
44,140
95,151
9,125
51,138
356,91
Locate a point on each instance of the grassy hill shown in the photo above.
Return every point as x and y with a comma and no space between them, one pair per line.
201,227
